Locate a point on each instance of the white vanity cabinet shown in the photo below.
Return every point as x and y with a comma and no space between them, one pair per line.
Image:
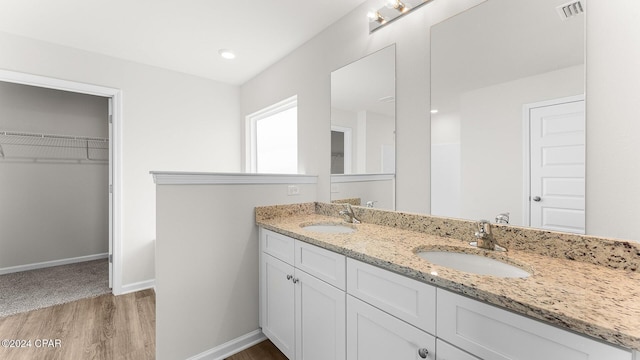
317,305
277,303
389,316
491,333
372,334
450,352
302,298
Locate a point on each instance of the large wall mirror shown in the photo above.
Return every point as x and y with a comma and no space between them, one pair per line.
363,131
508,118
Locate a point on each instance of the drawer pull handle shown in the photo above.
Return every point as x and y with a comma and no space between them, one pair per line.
423,353
289,277
295,280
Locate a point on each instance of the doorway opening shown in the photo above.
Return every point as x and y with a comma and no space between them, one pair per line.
95,148
341,150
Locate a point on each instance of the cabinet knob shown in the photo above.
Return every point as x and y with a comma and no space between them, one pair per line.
423,353
289,277
537,198
295,280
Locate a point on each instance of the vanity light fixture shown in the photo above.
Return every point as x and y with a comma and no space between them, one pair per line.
227,54
398,5
392,10
374,16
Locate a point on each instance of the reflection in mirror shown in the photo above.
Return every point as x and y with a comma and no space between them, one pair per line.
363,131
507,123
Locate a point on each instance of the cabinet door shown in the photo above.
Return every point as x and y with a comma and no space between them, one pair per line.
375,335
495,334
277,303
320,319
445,351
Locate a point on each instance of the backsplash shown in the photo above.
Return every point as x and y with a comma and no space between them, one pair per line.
612,253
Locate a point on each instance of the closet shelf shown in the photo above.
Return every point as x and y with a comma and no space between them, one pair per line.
28,146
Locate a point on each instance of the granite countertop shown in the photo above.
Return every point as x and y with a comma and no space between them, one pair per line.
602,301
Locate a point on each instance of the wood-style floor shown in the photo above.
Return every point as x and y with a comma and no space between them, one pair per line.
106,327
262,351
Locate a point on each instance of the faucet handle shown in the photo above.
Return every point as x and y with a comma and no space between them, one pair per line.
484,227
502,218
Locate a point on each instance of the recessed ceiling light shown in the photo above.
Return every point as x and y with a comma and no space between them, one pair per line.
227,54
434,111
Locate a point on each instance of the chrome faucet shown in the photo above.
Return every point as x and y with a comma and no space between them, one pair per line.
370,203
485,237
349,212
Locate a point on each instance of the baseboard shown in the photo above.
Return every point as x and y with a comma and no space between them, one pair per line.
141,285
46,264
231,347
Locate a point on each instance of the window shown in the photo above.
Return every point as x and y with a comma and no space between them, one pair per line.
273,139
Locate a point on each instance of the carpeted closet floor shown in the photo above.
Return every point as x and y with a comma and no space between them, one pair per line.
36,289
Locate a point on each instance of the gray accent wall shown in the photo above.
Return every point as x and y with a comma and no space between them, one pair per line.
52,210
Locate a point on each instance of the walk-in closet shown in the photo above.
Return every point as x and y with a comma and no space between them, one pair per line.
54,195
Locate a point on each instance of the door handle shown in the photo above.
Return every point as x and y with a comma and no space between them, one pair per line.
537,198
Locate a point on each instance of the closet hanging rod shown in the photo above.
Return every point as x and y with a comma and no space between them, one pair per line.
52,136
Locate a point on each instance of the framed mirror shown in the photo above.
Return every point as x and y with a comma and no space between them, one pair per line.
508,115
363,131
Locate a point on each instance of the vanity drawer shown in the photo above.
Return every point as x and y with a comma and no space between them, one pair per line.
491,333
400,296
324,264
277,245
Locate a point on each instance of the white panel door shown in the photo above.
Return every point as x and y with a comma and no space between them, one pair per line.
557,141
375,335
278,304
320,319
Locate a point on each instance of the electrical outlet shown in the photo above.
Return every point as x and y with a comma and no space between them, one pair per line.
293,190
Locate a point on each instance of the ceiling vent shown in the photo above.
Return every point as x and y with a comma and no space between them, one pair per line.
569,10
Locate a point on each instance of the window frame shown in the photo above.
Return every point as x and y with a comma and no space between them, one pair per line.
251,163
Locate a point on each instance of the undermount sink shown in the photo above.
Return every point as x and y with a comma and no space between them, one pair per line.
329,228
471,263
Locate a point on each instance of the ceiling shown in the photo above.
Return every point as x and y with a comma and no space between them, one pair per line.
179,35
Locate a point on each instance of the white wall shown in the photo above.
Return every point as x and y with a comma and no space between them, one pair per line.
613,144
612,56
380,191
170,121
306,72
348,119
51,210
491,153
377,130
380,131
207,263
